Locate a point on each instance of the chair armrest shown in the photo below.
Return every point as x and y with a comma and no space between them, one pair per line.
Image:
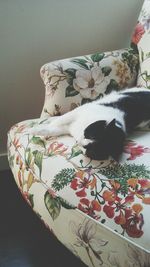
74,81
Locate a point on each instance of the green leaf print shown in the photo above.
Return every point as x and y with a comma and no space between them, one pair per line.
38,141
29,157
81,62
65,204
70,91
125,171
38,157
70,75
122,173
111,86
76,151
53,205
63,178
85,100
97,57
106,70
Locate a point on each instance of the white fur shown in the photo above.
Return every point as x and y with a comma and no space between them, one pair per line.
75,122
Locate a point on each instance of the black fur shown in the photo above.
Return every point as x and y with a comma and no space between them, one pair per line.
108,140
95,130
136,106
109,143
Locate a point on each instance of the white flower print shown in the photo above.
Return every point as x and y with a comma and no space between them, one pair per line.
90,83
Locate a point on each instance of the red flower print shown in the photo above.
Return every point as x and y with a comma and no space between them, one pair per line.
138,33
56,148
134,222
135,150
118,207
16,143
81,182
109,211
128,217
120,219
90,207
76,184
21,128
125,212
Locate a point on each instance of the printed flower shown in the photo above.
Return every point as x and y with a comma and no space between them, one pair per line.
90,83
90,207
126,213
138,33
137,257
116,205
134,222
88,238
110,196
16,143
82,181
56,148
122,72
140,188
135,150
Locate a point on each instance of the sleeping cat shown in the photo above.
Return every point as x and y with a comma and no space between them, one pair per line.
102,125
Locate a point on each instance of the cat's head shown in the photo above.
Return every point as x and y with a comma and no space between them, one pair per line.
106,140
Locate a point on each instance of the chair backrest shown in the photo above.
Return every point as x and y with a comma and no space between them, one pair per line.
141,41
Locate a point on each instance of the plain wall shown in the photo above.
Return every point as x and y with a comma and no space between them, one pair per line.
33,32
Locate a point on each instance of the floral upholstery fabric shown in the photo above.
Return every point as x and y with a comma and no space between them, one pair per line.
141,39
98,209
75,81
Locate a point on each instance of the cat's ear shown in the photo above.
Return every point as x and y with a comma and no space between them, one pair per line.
112,124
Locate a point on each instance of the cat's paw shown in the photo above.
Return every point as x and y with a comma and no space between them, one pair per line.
84,142
41,130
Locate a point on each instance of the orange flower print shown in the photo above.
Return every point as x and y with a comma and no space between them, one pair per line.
118,205
90,207
82,181
109,195
140,188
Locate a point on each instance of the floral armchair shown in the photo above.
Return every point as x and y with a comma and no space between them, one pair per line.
98,209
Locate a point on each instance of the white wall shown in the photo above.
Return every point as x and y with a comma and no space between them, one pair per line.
33,32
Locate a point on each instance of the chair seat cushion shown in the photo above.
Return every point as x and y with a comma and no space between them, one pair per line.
99,209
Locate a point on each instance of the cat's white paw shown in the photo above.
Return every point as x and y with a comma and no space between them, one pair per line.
83,141
41,130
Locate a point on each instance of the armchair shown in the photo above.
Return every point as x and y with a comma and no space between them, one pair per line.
98,209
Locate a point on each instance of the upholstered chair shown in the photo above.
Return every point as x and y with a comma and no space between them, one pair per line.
100,210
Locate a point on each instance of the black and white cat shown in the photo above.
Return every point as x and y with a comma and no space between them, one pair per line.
102,125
